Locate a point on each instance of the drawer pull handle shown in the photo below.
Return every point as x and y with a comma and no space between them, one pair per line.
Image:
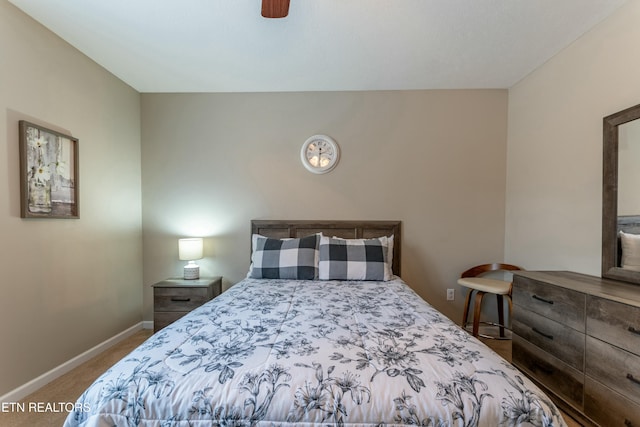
180,299
632,379
542,299
633,330
628,423
542,333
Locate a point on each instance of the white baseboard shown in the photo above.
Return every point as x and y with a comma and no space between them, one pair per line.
44,379
147,324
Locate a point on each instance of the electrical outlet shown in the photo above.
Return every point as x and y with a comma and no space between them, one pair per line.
450,294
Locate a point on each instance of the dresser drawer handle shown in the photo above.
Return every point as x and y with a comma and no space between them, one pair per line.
632,379
542,299
176,299
633,330
628,423
542,333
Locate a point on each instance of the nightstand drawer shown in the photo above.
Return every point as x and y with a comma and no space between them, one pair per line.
561,341
173,298
616,368
551,372
180,299
614,322
162,319
560,304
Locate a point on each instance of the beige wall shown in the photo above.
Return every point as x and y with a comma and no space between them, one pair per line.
433,159
69,284
554,176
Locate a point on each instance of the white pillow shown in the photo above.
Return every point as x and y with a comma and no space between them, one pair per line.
630,251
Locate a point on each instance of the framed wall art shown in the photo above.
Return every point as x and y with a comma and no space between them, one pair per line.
48,173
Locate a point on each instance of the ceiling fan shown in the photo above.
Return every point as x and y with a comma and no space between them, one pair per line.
275,8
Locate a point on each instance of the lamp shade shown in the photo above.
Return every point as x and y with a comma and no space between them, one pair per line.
190,249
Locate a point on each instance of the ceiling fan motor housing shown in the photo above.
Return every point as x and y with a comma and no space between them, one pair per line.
275,8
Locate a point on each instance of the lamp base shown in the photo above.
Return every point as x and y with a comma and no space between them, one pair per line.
191,271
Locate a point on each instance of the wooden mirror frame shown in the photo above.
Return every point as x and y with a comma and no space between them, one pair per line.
610,268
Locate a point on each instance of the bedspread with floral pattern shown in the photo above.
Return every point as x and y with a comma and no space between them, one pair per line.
284,353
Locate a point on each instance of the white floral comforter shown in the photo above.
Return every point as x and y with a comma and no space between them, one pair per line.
284,353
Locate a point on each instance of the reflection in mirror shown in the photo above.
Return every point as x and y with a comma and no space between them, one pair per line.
629,169
620,196
628,256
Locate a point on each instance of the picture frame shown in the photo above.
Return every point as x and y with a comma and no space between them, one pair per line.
49,180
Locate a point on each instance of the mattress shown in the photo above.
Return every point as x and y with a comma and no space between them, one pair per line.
296,352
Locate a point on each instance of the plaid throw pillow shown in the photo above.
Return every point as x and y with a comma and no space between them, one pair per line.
354,259
295,259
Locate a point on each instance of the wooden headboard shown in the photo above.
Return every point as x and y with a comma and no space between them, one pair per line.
346,229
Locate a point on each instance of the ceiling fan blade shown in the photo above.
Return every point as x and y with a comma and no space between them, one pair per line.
275,8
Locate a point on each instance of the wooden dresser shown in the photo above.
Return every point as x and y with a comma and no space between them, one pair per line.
578,336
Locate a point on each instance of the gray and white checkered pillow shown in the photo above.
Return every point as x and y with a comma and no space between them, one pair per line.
354,259
295,259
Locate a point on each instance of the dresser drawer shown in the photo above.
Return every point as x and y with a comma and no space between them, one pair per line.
555,338
616,368
614,322
608,408
180,299
563,305
565,381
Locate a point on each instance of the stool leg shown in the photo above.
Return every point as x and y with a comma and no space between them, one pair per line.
465,314
500,314
476,313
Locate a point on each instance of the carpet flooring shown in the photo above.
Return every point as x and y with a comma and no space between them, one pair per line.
68,387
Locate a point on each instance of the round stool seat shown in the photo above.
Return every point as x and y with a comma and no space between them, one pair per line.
480,284
493,286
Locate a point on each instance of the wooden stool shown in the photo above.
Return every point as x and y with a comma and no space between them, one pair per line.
483,285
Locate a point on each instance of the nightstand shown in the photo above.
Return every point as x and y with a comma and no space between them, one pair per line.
173,298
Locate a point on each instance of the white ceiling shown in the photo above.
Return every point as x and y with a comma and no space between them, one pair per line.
226,46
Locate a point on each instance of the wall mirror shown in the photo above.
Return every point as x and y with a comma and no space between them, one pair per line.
621,196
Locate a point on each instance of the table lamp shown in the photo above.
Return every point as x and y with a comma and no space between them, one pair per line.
190,250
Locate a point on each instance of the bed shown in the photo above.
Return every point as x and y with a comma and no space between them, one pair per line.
315,352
